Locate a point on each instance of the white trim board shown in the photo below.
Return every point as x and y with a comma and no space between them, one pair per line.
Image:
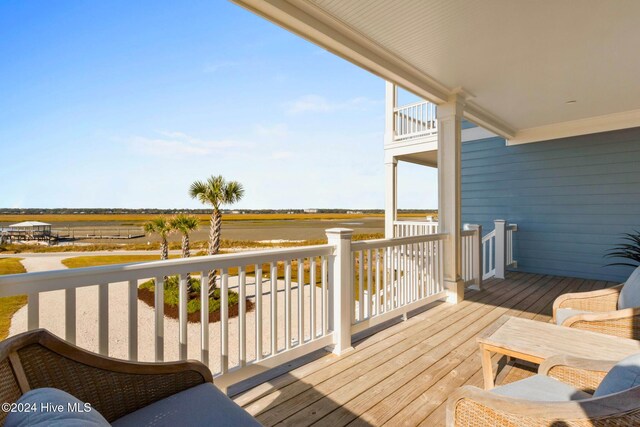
598,124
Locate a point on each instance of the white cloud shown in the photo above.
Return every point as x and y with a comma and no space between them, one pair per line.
319,104
178,144
278,130
218,65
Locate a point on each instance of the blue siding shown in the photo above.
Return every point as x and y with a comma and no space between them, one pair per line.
571,198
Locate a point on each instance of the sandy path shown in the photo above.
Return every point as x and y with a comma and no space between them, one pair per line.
52,317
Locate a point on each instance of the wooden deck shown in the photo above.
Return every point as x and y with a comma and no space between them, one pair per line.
402,375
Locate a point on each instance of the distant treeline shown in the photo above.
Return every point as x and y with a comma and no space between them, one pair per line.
106,211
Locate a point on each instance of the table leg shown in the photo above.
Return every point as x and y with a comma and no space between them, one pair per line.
487,368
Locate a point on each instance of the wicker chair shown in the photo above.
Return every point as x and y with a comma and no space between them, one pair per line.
115,388
598,311
470,406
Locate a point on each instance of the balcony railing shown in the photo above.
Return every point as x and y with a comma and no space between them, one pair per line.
414,120
484,256
303,299
394,276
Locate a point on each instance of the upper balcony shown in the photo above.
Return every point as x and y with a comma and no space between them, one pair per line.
411,130
414,121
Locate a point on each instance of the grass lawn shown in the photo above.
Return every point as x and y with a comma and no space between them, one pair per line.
205,217
96,260
9,305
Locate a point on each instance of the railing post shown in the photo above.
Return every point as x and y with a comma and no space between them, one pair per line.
341,288
477,255
501,247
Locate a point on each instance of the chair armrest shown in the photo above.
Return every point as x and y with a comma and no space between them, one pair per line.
621,323
470,406
600,300
114,387
584,374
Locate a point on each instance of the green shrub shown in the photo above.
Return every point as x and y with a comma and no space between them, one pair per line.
172,294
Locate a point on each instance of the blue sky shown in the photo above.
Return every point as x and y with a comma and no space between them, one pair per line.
124,104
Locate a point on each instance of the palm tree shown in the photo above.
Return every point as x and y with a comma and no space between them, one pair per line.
185,224
216,191
162,227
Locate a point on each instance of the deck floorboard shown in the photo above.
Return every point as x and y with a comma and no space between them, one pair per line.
402,375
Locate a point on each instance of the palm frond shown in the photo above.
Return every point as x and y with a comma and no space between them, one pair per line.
629,249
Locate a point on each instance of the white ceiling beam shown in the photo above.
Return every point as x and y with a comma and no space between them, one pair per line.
606,123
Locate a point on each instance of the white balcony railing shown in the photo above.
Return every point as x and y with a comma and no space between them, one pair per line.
290,316
303,299
485,254
415,228
497,250
393,277
414,120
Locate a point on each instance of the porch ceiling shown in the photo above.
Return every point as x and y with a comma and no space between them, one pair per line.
521,61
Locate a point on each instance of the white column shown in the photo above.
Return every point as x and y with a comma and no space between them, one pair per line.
391,164
390,197
501,247
341,288
449,193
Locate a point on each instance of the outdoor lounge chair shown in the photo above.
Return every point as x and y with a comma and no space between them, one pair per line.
38,365
566,392
613,311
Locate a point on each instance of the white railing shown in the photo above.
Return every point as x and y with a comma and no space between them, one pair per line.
414,228
472,255
289,289
291,302
497,250
394,276
414,120
488,254
510,262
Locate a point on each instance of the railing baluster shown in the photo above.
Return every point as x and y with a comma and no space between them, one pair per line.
258,298
33,311
133,319
377,252
274,308
204,318
242,315
287,304
224,322
103,319
385,281
396,277
361,285
369,287
70,315
159,318
182,318
312,296
300,301
325,297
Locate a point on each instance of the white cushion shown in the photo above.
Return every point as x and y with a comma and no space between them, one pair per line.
563,314
542,389
623,376
202,405
40,399
630,294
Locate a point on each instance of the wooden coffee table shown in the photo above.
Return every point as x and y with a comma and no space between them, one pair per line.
535,341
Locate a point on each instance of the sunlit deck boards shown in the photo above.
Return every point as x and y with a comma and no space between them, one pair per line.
403,375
